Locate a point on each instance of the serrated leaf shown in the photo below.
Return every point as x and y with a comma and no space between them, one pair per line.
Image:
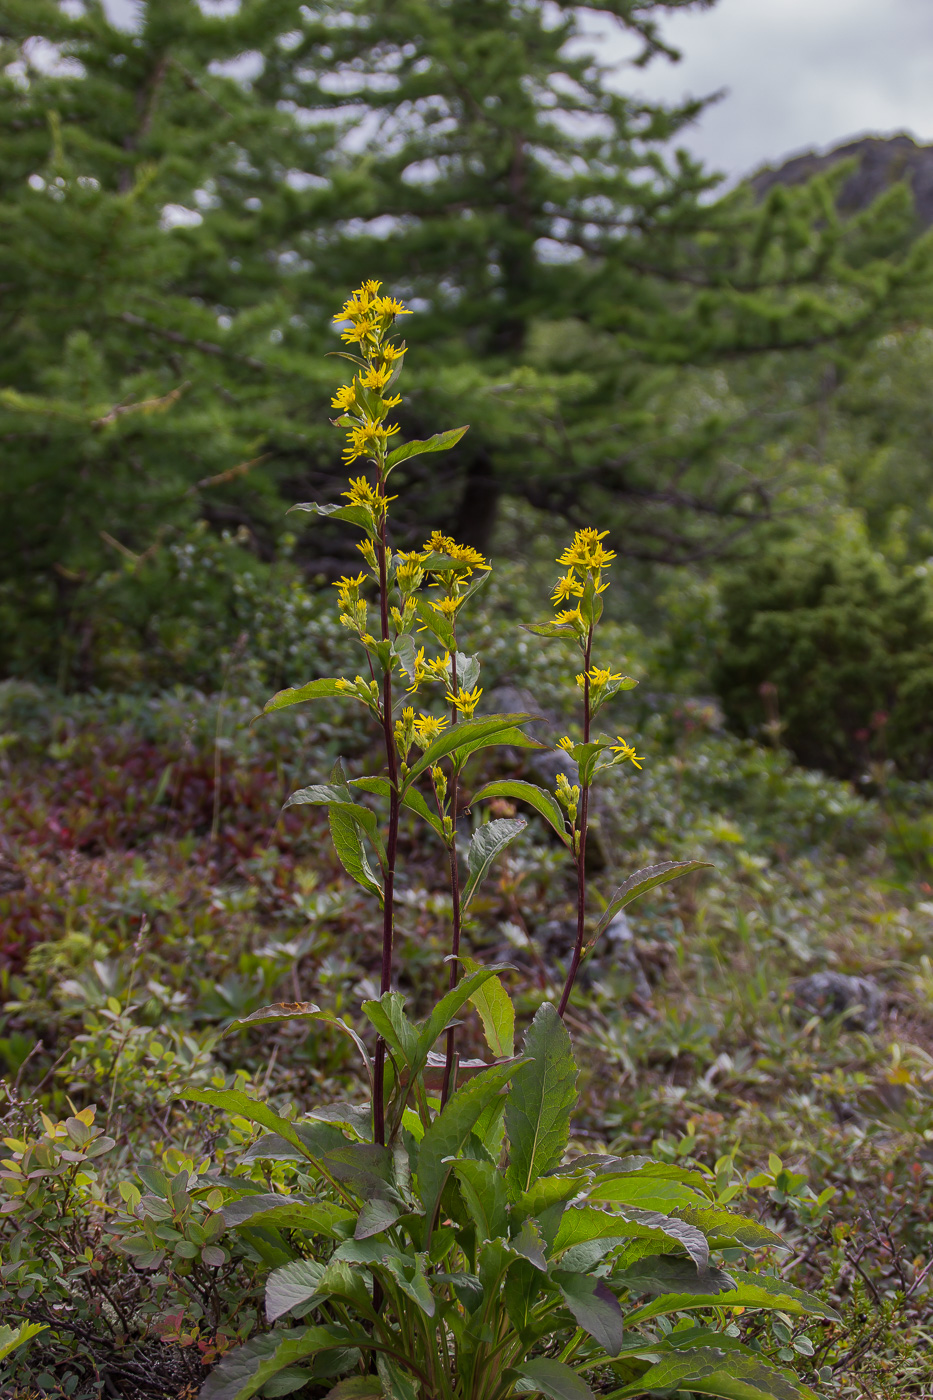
710,1371
234,1101
485,845
529,1243
297,695
451,1129
376,1217
496,1012
397,1384
595,1308
485,1196
292,1286
580,1224
647,879
387,1015
543,802
668,1275
13,1337
544,1092
439,442
448,1006
555,1379
751,1291
351,852
409,1275
726,1227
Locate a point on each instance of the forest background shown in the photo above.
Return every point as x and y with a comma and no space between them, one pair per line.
735,386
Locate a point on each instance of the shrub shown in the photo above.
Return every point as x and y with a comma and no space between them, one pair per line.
829,647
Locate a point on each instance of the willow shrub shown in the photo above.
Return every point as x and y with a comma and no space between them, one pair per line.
447,1246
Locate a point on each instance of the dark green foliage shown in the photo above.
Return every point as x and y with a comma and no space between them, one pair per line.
828,646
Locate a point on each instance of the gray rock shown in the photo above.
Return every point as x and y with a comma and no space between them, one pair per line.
880,161
830,994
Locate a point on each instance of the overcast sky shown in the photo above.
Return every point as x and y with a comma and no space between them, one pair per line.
798,73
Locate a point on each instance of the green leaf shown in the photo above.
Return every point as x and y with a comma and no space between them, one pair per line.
354,515
550,629
411,798
448,1006
375,1217
469,737
729,1229
644,880
13,1337
751,1291
300,1011
292,1286
595,1308
294,1212
710,1371
397,1384
496,1012
330,795
234,1101
296,695
484,1194
649,1192
387,1014
451,1129
529,1244
580,1224
485,845
409,1275
404,648
349,847
543,802
357,1388
537,1116
669,1275
440,442
287,1381
243,1372
365,1166
437,623
555,1379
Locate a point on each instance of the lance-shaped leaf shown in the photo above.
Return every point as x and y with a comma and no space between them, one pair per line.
234,1101
647,879
728,1230
594,1306
451,1002
354,515
440,442
555,1379
496,1012
294,1212
300,1011
712,1371
349,847
485,845
376,1217
334,795
298,694
471,736
529,1244
550,629
451,1129
750,1291
544,1092
486,1199
543,802
387,1014
669,1274
244,1372
580,1224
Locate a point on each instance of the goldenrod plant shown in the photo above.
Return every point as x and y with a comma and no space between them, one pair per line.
442,1243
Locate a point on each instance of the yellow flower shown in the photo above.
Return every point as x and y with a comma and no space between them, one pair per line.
376,378
361,493
566,743
567,587
369,440
439,543
427,729
358,332
360,302
586,552
366,549
465,701
391,353
448,607
390,306
345,397
602,675
625,751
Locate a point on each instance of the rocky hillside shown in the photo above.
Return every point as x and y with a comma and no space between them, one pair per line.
882,161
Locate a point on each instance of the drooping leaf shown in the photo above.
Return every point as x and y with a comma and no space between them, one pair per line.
439,442
472,735
729,1229
543,802
333,796
647,879
292,1286
352,853
243,1372
234,1101
529,1243
595,1308
410,798
496,1012
485,845
668,1275
451,1130
296,695
751,1291
409,1275
711,1371
555,1379
354,515
300,1011
537,1116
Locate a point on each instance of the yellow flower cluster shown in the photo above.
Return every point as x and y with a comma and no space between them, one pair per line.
372,317
427,670
568,796
417,729
465,701
585,558
353,609
598,676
